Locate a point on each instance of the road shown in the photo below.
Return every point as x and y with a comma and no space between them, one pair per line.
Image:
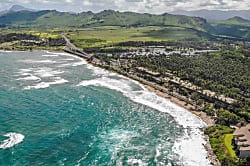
77,51
71,45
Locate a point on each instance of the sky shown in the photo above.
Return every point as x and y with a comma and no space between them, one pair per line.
141,6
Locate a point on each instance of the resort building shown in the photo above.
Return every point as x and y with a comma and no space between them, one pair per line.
241,140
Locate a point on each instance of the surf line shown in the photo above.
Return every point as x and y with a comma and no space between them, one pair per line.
14,139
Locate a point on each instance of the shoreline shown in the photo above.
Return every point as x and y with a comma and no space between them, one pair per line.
202,115
183,104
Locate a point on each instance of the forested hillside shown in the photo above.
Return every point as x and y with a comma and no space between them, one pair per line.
234,29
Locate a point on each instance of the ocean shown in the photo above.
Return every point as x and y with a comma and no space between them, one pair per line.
55,109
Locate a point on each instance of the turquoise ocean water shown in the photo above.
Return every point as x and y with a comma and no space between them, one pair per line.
55,109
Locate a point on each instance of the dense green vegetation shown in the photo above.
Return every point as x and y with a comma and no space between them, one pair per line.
104,18
31,40
222,72
235,21
10,37
236,27
220,138
177,27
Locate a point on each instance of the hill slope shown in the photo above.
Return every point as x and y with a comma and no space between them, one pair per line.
104,18
215,15
236,27
235,21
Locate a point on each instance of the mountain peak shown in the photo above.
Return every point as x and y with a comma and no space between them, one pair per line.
238,19
16,8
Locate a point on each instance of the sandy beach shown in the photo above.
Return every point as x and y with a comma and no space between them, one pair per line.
183,104
210,154
212,157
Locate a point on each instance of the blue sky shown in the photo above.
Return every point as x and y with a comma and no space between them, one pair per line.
142,6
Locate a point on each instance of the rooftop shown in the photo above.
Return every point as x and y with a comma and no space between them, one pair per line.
243,137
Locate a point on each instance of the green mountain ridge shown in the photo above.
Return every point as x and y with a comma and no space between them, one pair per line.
235,21
235,28
54,18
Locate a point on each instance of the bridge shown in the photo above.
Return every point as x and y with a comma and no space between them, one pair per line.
72,49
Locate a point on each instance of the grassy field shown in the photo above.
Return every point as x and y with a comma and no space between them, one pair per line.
106,36
228,143
40,34
220,138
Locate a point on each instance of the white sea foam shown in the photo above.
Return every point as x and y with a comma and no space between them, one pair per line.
50,55
24,74
37,61
42,85
57,53
189,147
136,161
63,54
114,140
74,64
64,65
47,72
59,80
69,59
29,78
25,70
79,63
101,72
14,139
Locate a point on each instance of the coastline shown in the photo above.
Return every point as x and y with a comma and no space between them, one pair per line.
183,104
202,115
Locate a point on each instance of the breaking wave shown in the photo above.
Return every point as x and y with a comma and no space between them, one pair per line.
190,146
42,85
14,139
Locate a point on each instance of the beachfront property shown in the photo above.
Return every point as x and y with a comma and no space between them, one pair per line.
241,140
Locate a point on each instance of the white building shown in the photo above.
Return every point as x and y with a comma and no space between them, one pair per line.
242,141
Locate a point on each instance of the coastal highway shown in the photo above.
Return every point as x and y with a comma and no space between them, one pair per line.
77,51
84,55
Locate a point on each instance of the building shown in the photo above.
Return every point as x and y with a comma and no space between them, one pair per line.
241,140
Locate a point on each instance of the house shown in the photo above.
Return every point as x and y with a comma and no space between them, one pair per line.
241,140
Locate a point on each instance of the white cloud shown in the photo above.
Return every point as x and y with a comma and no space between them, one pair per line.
151,6
87,3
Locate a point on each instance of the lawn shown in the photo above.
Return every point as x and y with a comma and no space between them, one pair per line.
220,138
228,143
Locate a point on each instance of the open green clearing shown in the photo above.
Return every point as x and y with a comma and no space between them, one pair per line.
107,36
228,143
220,138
